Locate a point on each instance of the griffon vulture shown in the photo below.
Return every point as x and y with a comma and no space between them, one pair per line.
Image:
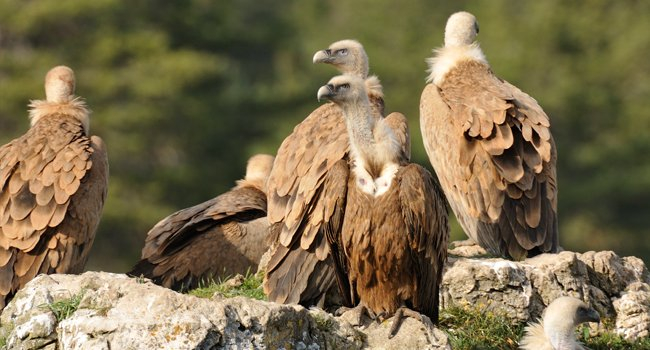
393,244
491,147
349,57
223,236
302,204
556,330
53,181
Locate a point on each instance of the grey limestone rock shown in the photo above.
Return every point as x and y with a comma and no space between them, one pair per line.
616,287
117,312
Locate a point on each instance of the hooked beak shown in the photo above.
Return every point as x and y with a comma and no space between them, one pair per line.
323,56
325,92
590,316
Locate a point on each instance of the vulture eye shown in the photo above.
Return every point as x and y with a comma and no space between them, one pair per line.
476,27
344,86
342,52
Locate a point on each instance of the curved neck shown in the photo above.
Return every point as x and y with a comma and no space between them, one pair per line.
360,122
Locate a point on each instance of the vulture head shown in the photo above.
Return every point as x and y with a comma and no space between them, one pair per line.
461,29
59,84
348,56
60,98
343,89
558,324
258,169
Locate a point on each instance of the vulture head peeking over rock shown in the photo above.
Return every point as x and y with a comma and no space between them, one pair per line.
556,329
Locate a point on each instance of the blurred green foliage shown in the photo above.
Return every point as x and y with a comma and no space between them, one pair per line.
184,92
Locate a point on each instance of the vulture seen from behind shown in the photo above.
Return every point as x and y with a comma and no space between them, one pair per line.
53,183
220,237
392,247
556,329
302,204
491,147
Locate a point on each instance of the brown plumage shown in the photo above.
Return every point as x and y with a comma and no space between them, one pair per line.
491,147
220,237
556,329
53,183
393,243
303,205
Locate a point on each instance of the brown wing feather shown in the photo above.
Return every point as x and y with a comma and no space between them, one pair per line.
399,124
296,188
303,275
337,181
505,150
53,182
223,236
425,214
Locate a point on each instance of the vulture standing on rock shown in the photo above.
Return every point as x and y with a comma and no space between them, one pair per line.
223,236
556,330
53,183
302,205
490,145
391,250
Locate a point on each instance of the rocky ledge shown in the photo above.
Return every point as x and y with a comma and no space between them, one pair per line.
112,311
617,287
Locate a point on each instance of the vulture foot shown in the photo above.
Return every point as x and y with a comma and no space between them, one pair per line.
355,315
400,314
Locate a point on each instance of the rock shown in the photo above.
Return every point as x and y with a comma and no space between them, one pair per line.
117,312
112,311
616,287
467,249
633,312
234,282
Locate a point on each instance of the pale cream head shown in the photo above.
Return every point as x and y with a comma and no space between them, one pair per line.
348,56
60,99
343,88
59,84
259,167
563,315
461,29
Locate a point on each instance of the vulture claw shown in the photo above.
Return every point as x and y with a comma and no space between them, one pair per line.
400,314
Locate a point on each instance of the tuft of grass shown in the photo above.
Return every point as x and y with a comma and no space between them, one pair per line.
473,327
608,340
323,323
62,309
251,287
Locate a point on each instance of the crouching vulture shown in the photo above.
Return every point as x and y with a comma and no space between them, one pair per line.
491,147
556,329
53,183
302,205
390,252
220,237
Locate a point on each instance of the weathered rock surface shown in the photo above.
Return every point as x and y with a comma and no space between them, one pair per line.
117,312
616,287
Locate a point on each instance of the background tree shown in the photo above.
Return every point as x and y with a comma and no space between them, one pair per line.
184,92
